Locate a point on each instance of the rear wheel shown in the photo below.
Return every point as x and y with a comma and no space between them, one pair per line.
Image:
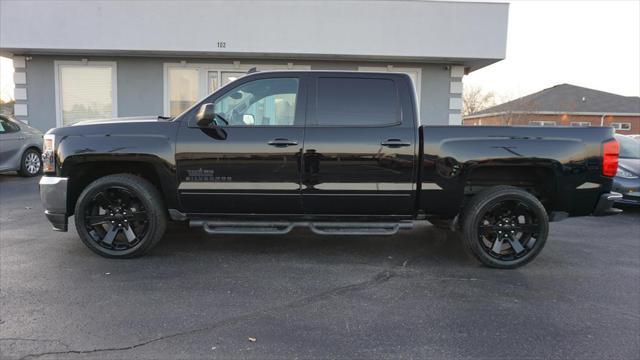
31,163
120,216
504,227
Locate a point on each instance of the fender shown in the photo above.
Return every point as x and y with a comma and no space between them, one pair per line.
116,143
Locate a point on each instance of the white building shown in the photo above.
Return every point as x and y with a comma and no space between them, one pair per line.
98,59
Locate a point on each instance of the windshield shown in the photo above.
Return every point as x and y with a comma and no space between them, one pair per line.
629,147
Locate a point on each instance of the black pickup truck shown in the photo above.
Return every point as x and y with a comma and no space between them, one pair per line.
337,152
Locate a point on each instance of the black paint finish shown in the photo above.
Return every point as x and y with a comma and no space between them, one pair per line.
360,169
309,170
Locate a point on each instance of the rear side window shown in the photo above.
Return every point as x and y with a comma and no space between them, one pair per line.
7,126
356,102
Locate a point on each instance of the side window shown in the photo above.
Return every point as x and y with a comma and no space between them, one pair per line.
8,127
265,102
356,102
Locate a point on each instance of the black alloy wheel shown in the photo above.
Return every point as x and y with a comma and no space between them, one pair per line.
509,230
116,219
120,216
504,227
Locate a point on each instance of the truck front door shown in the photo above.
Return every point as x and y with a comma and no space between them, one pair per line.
360,149
248,161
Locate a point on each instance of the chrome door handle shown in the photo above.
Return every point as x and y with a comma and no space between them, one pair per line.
395,143
282,142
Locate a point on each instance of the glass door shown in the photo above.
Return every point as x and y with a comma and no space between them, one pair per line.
212,81
217,79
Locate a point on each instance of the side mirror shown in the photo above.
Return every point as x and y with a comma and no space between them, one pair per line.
205,115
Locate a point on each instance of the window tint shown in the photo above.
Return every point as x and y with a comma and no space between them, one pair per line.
356,101
7,126
270,102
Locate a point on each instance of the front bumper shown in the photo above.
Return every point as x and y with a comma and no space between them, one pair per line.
631,198
53,193
605,204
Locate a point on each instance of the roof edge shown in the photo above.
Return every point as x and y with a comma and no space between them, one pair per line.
473,63
478,116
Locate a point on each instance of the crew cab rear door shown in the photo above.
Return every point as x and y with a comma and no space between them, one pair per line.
249,165
359,155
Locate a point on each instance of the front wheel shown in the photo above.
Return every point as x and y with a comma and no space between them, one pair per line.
504,227
120,216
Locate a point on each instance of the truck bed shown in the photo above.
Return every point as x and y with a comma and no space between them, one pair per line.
562,165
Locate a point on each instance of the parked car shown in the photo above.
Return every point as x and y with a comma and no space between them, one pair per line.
627,180
276,150
20,147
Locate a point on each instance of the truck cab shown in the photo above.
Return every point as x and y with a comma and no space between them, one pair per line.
322,144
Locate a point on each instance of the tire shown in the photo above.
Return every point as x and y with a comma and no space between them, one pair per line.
504,227
30,163
120,216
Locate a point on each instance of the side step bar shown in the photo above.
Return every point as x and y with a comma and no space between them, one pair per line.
321,228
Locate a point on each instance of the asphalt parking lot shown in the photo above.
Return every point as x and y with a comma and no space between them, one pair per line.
415,295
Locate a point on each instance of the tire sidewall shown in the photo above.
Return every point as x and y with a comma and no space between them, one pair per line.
23,166
478,209
145,194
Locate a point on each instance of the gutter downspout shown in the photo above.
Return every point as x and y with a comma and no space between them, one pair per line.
602,119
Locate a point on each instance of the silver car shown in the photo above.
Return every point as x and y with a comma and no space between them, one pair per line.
627,180
20,147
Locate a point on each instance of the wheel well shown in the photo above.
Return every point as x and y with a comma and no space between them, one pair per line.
539,181
85,173
32,147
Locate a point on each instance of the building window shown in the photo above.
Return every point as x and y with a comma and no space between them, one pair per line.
542,123
580,123
185,83
85,91
183,89
621,126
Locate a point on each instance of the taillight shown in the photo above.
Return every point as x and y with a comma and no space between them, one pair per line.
610,153
48,153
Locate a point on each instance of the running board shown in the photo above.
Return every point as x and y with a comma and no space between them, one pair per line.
279,228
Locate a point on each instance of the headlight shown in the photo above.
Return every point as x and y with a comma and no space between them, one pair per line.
48,153
621,172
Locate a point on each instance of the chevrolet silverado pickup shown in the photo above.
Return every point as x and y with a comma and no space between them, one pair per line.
336,152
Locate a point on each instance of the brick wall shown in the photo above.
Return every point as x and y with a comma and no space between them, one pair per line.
560,120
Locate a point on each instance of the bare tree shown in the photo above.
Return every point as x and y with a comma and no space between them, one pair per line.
516,112
6,107
475,99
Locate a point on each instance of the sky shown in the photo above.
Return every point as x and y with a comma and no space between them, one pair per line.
595,44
